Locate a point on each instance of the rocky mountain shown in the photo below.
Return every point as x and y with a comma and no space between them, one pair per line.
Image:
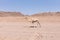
47,14
3,14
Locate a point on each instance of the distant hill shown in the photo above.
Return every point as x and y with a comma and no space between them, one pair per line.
47,14
3,14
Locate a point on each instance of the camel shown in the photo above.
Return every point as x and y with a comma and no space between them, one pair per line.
33,21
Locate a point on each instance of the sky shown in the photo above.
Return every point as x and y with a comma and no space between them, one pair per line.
30,6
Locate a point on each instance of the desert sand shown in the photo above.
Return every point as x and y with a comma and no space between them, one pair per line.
19,28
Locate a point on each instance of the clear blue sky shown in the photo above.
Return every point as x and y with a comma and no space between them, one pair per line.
30,6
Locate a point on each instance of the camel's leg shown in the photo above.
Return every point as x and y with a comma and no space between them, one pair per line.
38,23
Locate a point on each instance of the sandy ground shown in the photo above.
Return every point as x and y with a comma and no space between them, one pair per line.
18,28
